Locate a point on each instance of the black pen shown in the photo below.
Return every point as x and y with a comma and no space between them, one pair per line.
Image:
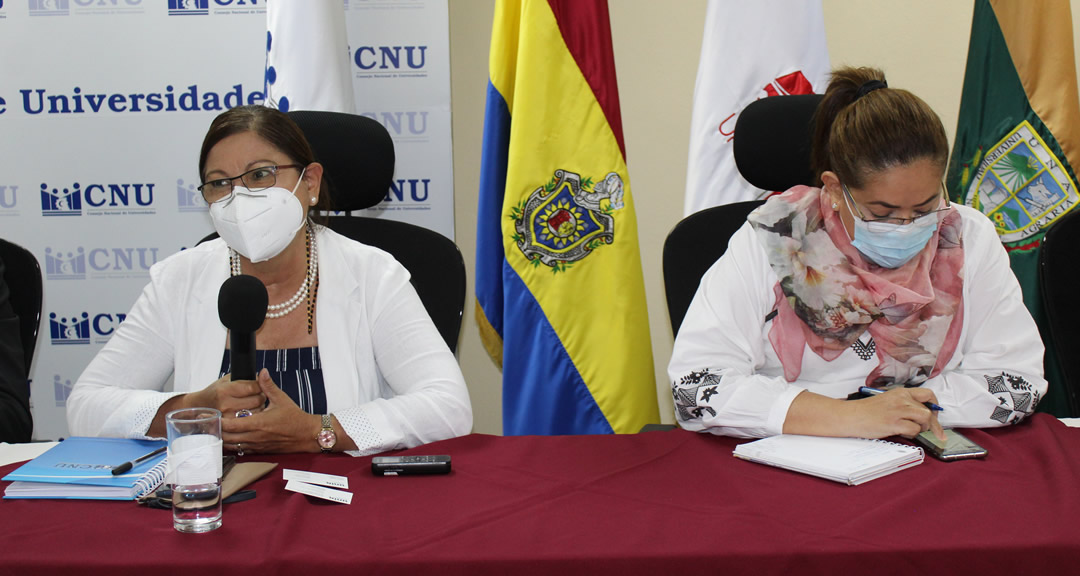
875,391
118,470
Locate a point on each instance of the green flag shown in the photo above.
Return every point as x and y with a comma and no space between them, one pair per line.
1016,138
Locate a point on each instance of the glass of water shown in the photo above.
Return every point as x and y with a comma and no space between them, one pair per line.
195,468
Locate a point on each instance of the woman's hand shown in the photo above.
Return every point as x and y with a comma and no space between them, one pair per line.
281,427
899,411
228,396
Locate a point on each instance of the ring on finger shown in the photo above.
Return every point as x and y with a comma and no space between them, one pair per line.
242,413
239,449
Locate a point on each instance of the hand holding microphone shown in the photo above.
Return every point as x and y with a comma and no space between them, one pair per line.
242,305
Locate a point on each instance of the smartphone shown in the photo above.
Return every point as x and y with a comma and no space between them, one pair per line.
955,447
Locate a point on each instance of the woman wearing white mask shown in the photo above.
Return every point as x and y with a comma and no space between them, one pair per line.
348,359
872,280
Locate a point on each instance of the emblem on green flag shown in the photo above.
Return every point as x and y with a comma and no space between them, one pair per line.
1020,185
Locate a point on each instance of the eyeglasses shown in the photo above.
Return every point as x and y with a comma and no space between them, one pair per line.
255,179
890,219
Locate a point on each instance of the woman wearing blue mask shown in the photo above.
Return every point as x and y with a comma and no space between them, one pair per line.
348,359
873,279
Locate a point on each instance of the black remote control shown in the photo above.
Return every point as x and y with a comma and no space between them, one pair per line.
408,465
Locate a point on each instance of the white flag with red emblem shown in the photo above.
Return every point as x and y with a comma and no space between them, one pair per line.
307,56
750,50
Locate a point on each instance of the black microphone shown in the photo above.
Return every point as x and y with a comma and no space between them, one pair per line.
242,305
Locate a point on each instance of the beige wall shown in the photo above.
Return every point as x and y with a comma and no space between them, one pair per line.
921,45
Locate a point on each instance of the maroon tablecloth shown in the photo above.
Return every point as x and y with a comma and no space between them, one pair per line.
654,503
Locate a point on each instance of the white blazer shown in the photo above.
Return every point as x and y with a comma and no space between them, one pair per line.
390,378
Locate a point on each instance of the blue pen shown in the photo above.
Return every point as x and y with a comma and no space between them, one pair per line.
875,391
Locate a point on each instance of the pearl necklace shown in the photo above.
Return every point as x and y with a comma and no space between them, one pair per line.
279,310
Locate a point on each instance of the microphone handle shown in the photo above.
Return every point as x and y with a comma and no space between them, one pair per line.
242,351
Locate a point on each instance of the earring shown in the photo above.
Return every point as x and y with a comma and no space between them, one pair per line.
314,200
835,206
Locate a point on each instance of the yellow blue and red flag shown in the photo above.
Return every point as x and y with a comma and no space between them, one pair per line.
559,288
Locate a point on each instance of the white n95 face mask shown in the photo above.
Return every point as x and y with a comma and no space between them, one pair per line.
258,225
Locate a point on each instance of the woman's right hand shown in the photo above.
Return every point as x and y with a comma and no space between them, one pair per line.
899,411
228,396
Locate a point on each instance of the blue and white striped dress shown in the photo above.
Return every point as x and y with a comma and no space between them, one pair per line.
297,371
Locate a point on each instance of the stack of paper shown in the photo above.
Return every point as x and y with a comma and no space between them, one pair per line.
82,468
848,460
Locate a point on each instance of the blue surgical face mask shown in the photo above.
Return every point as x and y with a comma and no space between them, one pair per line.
891,245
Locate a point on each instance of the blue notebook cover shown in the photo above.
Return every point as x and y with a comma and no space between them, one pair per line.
81,468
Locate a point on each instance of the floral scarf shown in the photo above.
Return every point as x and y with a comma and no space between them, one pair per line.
828,294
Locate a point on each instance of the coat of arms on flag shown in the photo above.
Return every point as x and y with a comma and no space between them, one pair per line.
1020,185
566,219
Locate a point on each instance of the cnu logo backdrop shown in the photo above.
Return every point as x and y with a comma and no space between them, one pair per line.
402,125
202,7
72,264
94,7
61,390
390,57
7,195
80,328
188,197
127,198
116,192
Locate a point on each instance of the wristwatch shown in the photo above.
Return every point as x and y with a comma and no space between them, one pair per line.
327,438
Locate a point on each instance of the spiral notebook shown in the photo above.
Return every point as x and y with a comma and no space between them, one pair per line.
848,460
81,468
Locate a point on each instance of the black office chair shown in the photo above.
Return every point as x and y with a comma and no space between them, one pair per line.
357,154
692,246
1058,278
772,151
22,274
